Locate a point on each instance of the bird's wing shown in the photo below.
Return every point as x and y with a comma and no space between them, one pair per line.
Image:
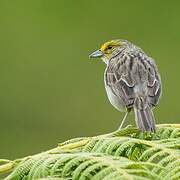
154,83
120,81
123,75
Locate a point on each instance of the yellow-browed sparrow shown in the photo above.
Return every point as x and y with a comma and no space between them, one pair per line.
131,81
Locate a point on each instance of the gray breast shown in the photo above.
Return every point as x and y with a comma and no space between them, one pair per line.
114,100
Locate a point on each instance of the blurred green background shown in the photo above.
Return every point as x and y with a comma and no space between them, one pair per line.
50,91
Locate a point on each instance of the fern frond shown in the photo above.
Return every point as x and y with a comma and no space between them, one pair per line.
124,154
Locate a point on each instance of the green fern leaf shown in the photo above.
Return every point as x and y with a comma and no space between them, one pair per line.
125,154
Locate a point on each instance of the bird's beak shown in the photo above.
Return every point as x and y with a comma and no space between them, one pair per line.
96,54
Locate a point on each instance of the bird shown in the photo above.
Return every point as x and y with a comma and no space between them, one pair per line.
132,81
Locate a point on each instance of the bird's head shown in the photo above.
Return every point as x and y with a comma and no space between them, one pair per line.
109,49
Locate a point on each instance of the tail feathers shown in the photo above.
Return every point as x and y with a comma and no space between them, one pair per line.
144,117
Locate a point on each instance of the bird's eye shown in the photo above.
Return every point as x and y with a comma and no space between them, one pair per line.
109,47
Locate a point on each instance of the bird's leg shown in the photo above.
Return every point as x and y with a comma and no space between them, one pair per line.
124,118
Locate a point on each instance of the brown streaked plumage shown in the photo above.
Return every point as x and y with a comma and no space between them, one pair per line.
131,80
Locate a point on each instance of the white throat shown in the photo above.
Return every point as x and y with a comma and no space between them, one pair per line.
106,60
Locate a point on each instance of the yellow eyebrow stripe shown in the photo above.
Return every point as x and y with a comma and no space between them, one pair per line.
112,43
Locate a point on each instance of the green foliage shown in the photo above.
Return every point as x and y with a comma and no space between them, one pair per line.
125,154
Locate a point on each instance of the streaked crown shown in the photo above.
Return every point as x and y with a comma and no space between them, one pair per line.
109,49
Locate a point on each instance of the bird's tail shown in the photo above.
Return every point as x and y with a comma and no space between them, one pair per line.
144,115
